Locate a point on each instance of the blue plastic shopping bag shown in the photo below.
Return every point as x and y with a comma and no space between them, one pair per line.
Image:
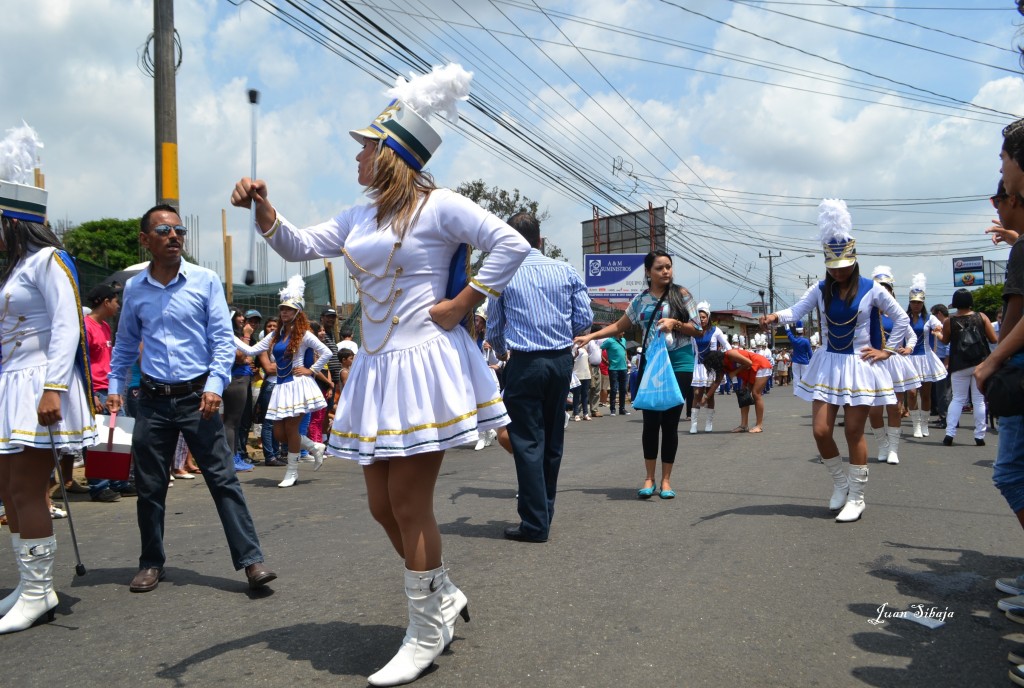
658,389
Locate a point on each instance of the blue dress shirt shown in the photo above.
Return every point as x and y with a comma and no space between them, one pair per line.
184,329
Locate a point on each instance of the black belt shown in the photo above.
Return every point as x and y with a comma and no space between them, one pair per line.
155,388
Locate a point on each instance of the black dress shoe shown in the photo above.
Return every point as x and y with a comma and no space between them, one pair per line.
516,533
258,575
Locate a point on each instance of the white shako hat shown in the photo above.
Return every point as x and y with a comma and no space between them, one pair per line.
704,306
294,293
21,193
404,124
834,225
883,275
917,287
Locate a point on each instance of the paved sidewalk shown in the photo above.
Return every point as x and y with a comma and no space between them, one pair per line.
743,579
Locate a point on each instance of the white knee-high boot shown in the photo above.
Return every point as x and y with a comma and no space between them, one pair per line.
37,596
291,473
316,449
883,443
915,417
453,605
710,419
894,444
840,483
855,500
924,422
694,420
8,602
424,639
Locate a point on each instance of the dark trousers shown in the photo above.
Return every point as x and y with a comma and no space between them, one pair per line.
619,380
536,386
157,426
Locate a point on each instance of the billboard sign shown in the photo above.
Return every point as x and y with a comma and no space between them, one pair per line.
969,272
614,276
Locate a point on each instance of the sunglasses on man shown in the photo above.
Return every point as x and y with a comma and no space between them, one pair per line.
164,230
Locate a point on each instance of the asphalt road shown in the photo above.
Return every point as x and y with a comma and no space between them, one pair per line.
743,579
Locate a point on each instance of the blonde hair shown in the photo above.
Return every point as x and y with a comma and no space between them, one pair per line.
399,189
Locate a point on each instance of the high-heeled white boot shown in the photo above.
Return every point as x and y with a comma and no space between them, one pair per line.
855,500
894,443
453,605
291,473
915,416
316,450
8,602
709,419
694,420
424,639
883,443
37,596
839,481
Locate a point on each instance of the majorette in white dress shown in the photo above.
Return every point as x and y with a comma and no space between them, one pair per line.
293,395
711,340
837,374
904,375
924,361
42,344
414,387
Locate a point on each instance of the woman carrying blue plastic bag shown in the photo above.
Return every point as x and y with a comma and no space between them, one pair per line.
666,307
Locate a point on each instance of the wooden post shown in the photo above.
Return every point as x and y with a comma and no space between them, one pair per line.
228,287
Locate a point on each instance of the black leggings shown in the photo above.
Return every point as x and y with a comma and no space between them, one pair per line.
667,423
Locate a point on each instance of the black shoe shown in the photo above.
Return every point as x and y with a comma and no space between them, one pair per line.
128,490
948,441
516,533
979,442
106,495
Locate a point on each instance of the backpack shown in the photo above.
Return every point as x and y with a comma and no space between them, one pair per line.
971,347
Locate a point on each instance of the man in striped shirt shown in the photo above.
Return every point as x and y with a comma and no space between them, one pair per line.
534,322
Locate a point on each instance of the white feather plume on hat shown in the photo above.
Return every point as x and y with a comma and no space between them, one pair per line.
704,306
438,91
294,293
918,285
834,226
883,273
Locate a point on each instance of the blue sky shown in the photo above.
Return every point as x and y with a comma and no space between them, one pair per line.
739,128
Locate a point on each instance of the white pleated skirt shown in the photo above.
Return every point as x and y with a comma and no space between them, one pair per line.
297,397
904,375
702,377
928,366
428,397
842,379
20,392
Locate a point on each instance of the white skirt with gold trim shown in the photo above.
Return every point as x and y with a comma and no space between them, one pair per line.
842,379
928,366
426,398
904,375
20,392
297,397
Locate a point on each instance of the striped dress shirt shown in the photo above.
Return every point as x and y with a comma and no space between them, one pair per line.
541,309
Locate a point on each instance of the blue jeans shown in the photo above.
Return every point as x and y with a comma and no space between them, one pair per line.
1008,472
156,435
270,445
618,381
536,385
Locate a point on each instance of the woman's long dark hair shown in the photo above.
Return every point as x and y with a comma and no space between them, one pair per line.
923,315
21,238
830,281
674,297
715,362
239,331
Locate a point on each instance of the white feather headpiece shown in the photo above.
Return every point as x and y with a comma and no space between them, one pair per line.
883,274
18,151
294,293
918,284
437,92
834,226
704,306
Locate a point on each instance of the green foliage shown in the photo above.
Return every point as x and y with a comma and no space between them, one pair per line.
988,299
504,204
109,242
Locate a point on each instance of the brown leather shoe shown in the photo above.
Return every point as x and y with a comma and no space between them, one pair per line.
258,575
146,580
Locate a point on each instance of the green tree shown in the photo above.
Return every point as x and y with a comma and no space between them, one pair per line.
109,242
505,204
988,299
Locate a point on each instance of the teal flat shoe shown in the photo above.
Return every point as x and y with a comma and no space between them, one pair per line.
667,494
645,492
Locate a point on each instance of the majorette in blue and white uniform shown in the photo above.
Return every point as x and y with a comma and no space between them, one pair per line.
924,360
712,339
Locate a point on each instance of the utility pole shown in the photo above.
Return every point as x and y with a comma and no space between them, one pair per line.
164,103
771,279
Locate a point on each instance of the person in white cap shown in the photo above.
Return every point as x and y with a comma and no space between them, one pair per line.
904,376
295,392
842,373
44,390
422,385
705,382
922,356
802,350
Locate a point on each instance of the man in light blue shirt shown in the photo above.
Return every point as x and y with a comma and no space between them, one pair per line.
535,320
178,313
